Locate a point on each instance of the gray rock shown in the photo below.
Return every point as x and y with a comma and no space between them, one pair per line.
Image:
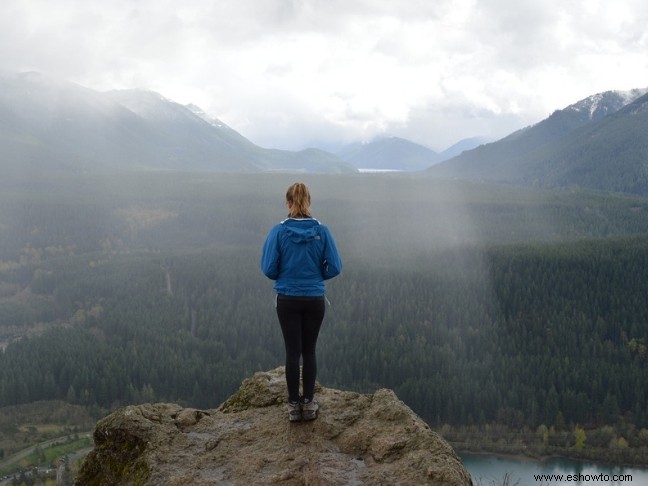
358,439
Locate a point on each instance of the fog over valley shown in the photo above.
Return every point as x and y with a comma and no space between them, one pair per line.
126,286
483,172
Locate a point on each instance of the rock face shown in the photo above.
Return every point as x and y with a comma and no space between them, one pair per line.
358,439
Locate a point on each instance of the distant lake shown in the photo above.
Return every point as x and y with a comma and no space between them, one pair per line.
378,171
489,470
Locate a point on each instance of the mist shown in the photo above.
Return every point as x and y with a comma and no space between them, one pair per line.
132,221
453,293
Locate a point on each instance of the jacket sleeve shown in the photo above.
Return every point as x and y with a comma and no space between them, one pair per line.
332,265
270,258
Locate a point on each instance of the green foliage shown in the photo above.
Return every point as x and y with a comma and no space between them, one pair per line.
620,444
579,437
475,303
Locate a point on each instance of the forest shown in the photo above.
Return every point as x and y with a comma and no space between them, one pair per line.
477,303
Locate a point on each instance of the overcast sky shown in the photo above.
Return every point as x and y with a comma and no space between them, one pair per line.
298,73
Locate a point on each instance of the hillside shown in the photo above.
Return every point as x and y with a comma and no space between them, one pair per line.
594,143
49,124
462,146
610,155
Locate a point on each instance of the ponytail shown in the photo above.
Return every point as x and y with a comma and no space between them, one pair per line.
299,200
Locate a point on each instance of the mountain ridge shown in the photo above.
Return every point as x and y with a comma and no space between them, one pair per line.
389,153
49,124
553,151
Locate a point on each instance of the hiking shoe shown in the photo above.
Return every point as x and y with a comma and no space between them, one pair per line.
309,409
294,412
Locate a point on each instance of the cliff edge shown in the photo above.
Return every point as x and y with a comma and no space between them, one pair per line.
358,439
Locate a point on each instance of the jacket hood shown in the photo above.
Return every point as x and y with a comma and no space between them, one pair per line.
301,230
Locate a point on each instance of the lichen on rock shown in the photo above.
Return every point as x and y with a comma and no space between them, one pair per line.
358,439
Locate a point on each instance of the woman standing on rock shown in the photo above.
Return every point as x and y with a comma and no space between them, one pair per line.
300,254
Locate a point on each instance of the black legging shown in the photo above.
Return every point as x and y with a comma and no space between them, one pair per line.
300,319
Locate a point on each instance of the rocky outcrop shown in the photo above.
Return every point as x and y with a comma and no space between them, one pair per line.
358,439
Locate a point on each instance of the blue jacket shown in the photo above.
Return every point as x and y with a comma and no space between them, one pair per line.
300,254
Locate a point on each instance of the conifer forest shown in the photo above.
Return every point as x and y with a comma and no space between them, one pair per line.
477,303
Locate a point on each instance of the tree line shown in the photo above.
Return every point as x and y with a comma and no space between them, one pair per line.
522,335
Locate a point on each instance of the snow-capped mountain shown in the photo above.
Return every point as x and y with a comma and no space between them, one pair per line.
600,105
600,142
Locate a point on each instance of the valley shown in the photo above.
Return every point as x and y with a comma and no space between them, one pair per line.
453,293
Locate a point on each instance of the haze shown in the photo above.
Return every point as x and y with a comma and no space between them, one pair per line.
293,74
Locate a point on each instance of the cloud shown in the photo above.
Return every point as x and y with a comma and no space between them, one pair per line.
286,73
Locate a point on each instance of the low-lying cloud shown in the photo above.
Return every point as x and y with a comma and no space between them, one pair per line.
292,73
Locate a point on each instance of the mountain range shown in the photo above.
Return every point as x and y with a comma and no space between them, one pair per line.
48,124
600,142
398,154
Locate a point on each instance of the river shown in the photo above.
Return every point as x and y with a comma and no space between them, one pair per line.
487,470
